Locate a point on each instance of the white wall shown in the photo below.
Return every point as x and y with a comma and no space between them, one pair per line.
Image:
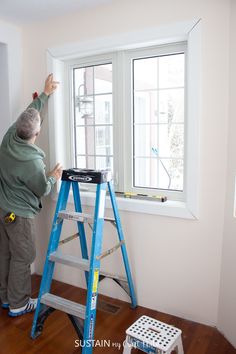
227,305
175,262
4,97
10,74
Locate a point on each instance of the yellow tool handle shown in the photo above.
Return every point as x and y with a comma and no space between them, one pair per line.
10,217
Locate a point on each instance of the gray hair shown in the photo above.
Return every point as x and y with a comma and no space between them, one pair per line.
28,124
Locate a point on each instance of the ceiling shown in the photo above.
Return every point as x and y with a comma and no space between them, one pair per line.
27,11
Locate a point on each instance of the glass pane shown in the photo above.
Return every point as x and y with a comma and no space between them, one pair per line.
103,109
145,73
171,140
104,163
80,139
85,140
83,82
83,93
146,171
170,174
171,71
88,81
91,162
145,139
103,78
93,116
159,140
171,106
158,173
159,121
79,81
82,119
104,140
145,107
159,72
80,162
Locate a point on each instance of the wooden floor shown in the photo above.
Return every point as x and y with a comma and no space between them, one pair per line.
59,337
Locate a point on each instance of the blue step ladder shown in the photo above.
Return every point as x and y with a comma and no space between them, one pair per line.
82,317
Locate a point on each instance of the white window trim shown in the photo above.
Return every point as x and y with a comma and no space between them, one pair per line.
60,133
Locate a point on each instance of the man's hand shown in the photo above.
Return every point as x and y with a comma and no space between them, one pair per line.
50,85
56,172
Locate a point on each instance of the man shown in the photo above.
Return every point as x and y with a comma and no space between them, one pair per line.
22,184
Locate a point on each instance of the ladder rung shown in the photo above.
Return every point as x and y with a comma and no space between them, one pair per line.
82,264
69,260
82,217
59,303
73,215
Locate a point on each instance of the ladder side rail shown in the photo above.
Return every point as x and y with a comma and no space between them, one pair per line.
92,291
52,246
80,225
123,246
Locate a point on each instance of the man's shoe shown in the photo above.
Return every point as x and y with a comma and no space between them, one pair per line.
29,307
5,305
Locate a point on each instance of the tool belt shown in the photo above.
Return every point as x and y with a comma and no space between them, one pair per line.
9,218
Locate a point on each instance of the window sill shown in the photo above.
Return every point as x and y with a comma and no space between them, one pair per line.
169,208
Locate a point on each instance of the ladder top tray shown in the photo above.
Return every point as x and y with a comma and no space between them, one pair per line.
86,175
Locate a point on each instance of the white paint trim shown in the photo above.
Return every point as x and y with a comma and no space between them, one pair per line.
189,31
123,41
194,104
169,208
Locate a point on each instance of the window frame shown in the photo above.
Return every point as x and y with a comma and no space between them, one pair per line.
60,138
123,122
130,55
69,67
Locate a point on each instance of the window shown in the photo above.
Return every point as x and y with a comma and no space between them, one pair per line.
142,92
158,122
93,122
183,201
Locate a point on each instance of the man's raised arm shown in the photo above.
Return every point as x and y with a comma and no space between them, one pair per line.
49,87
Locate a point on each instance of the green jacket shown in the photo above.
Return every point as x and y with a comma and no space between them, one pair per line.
22,172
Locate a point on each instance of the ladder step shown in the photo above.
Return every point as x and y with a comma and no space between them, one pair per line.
69,260
82,217
59,303
86,175
73,215
80,263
